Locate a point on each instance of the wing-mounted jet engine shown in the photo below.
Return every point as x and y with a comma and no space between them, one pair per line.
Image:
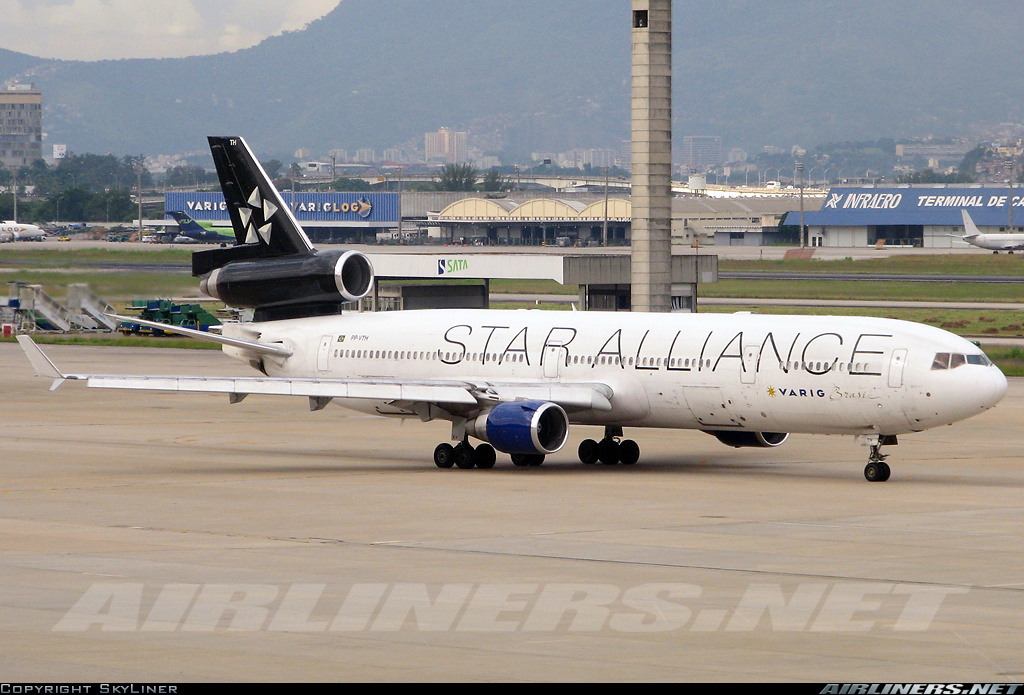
273,267
743,439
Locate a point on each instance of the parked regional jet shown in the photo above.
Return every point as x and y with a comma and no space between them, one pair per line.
516,381
1007,241
190,231
17,231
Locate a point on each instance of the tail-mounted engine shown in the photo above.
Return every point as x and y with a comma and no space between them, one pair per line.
750,439
273,267
522,427
311,284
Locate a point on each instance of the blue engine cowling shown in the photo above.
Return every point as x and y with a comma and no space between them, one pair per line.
522,427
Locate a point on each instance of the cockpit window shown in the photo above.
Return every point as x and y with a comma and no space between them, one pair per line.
946,360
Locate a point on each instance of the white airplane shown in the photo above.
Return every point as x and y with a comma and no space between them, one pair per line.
995,243
16,231
517,380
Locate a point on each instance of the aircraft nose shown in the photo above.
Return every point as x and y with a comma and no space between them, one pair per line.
999,385
990,388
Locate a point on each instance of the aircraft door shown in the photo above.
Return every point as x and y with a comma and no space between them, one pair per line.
323,354
748,374
896,365
553,356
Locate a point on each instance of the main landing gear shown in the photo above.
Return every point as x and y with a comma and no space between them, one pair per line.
465,455
610,450
877,470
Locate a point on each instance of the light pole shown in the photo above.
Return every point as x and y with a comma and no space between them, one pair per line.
604,228
800,168
14,191
1009,165
138,174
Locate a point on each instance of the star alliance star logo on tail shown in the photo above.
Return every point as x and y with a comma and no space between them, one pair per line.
265,209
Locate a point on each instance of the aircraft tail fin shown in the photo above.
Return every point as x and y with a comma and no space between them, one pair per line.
263,223
970,229
273,268
185,223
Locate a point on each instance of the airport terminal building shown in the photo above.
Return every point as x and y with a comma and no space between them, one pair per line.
919,216
553,219
845,217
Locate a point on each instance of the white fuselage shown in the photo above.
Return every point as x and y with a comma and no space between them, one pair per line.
997,242
15,231
810,374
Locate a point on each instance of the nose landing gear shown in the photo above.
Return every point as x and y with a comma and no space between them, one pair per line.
877,470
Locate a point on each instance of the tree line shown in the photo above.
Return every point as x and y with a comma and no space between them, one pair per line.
81,188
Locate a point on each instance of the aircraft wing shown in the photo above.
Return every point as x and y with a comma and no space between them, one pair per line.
452,395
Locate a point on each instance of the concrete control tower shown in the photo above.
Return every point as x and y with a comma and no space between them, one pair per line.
651,270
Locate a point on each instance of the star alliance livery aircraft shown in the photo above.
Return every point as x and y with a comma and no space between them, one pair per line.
515,381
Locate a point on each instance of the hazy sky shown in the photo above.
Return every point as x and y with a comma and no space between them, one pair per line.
101,29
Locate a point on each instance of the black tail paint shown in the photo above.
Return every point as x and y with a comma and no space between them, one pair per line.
273,268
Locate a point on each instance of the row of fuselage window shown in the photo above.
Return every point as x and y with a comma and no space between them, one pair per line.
610,360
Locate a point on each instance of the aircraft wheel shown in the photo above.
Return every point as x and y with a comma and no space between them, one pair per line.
589,451
609,451
526,460
464,455
877,472
629,452
444,455
484,456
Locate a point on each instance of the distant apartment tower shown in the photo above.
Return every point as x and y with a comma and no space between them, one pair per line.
446,146
701,151
21,126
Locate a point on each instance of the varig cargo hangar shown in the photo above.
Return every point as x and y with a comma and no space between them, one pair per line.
559,219
921,216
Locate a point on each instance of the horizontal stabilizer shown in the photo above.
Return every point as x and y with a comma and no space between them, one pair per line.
251,346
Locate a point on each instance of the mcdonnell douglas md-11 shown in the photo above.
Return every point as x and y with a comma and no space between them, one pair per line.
514,381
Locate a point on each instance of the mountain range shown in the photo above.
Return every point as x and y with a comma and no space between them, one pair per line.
543,75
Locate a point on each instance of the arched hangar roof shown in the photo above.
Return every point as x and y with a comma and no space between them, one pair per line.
536,209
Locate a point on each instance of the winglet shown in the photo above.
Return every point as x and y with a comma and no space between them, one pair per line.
970,229
40,362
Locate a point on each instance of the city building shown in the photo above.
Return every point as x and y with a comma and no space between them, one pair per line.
446,146
21,126
700,152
